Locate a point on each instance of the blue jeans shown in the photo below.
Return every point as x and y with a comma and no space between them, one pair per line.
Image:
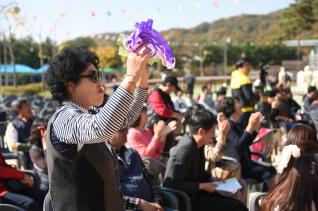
30,199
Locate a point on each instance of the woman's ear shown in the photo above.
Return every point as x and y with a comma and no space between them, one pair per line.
70,87
69,84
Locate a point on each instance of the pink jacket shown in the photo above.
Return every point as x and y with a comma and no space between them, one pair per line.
144,143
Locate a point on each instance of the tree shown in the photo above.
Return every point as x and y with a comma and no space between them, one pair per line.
298,17
108,56
86,42
214,54
26,52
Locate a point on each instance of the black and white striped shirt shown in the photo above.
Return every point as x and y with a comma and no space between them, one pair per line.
73,124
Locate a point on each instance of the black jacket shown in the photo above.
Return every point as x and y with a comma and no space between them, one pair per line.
185,168
238,143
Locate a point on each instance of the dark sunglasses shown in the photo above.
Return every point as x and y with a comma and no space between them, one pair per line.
94,76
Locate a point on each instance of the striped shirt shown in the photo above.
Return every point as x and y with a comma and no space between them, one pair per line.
73,125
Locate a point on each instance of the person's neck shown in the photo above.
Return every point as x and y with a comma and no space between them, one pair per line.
24,118
164,89
244,72
117,147
140,127
78,103
197,140
235,117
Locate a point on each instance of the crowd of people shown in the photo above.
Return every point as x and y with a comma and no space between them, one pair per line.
100,152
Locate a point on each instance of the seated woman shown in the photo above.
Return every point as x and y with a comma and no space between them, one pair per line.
16,188
146,142
296,187
38,155
185,169
239,139
303,136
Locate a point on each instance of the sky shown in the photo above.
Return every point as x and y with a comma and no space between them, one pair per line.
61,20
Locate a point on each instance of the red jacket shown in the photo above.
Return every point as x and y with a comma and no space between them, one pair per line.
8,172
161,103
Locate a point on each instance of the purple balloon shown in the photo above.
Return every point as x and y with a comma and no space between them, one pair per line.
144,33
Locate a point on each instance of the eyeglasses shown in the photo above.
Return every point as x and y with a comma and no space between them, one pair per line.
94,76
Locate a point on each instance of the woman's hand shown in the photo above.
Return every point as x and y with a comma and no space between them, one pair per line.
136,70
158,128
254,122
223,125
170,127
136,62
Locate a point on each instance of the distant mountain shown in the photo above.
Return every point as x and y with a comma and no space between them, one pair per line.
243,28
259,29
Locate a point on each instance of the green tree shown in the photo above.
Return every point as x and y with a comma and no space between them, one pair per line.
86,42
26,52
298,17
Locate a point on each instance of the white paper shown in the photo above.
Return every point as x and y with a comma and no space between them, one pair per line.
230,185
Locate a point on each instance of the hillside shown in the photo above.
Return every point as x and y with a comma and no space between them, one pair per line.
243,28
259,29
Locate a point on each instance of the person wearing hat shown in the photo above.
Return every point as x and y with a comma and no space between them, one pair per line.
241,85
160,105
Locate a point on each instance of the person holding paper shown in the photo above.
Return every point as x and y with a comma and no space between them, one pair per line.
239,140
185,168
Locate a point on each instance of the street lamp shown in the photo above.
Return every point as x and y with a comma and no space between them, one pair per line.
200,59
227,41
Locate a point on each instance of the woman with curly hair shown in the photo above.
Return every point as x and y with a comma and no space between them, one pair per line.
82,174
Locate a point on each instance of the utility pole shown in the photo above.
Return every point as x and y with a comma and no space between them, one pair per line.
227,41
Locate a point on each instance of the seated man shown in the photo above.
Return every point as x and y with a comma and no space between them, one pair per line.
137,185
18,131
185,169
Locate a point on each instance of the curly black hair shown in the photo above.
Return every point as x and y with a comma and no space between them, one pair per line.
66,67
227,106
